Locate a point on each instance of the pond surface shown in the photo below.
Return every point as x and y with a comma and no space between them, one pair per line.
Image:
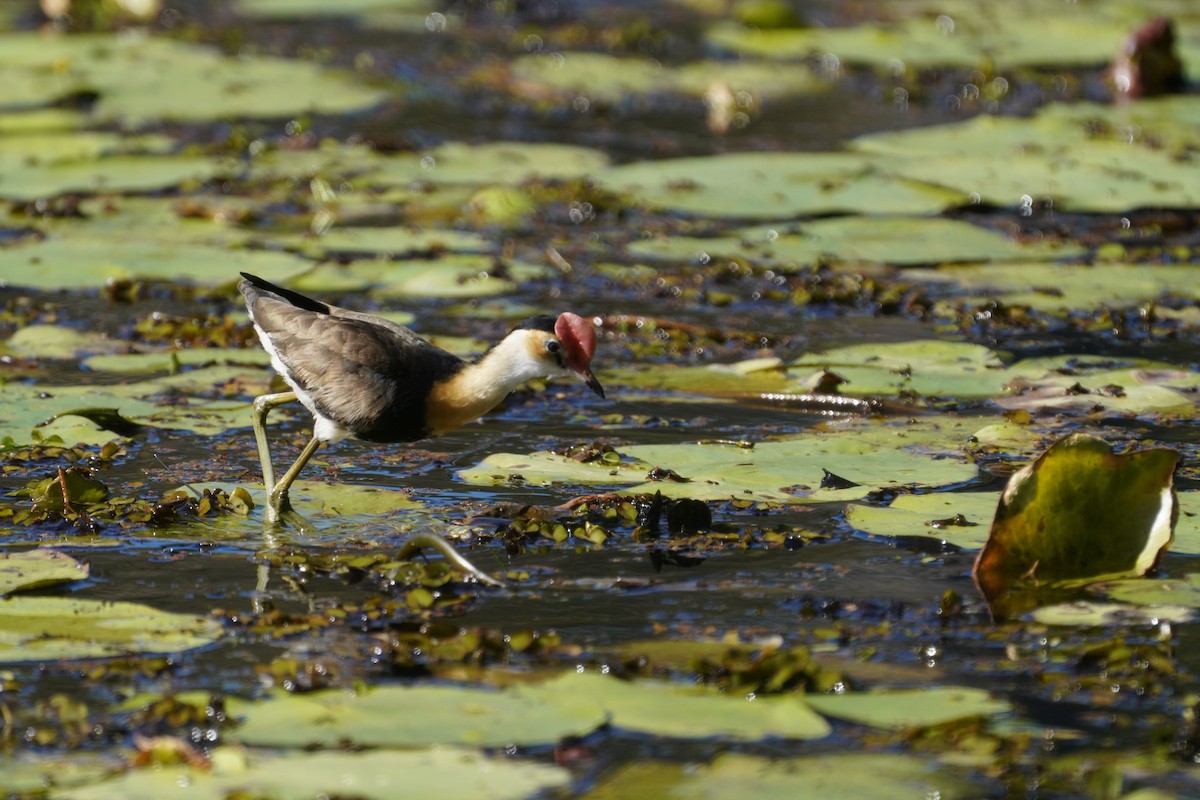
715,580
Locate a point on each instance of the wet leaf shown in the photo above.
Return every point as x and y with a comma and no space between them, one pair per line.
870,454
961,518
910,708
772,186
897,240
1080,512
141,78
32,569
54,628
383,774
836,776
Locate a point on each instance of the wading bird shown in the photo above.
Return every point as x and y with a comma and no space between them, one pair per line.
368,378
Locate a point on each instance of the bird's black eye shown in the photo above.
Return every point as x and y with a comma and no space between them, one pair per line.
553,347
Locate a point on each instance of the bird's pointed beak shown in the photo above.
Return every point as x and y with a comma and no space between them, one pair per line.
592,383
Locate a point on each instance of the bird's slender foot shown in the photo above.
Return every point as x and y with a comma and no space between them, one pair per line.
278,503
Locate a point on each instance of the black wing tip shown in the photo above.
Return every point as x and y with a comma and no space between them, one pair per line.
280,293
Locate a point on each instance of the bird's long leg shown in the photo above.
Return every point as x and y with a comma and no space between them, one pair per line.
262,406
277,498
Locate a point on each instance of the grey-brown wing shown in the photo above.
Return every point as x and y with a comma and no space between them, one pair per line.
366,374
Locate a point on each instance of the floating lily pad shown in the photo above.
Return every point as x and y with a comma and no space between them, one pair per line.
56,628
108,174
571,704
140,79
663,709
377,775
32,569
928,368
960,518
899,240
1093,613
452,275
1063,288
874,455
81,262
910,708
1183,591
488,163
1054,156
57,342
604,78
321,8
134,363
773,186
1080,512
836,776
393,242
950,34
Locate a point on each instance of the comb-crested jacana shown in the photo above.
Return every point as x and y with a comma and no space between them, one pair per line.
369,378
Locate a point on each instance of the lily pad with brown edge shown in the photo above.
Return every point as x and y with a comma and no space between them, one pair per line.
768,186
830,776
1063,288
58,628
606,79
1100,613
1080,512
925,367
896,709
459,772
855,240
959,518
139,78
81,262
871,454
172,360
33,569
488,163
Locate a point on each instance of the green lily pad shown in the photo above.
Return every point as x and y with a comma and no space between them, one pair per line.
1055,156
392,242
57,342
136,173
452,275
872,454
910,708
32,569
57,628
81,262
927,367
663,709
488,163
394,716
377,775
952,33
1092,613
900,240
773,186
1170,592
960,518
320,8
340,501
573,703
830,776
606,79
140,79
135,363
1080,512
1064,288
